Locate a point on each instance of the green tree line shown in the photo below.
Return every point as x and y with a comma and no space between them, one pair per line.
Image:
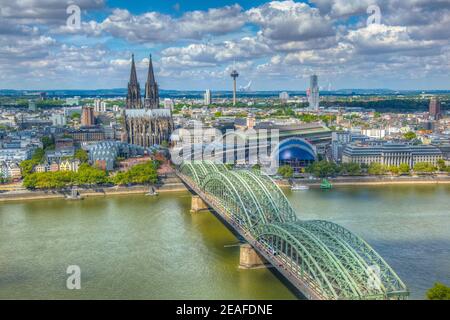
89,176
325,168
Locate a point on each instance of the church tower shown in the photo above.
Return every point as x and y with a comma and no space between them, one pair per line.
134,91
151,100
145,124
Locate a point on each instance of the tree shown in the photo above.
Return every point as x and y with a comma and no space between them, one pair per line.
75,115
352,169
81,155
394,170
38,155
88,175
26,167
48,143
439,292
410,135
424,167
323,169
139,174
256,167
377,169
286,171
404,168
441,165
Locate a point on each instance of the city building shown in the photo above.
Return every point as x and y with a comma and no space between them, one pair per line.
341,139
42,168
168,104
59,155
435,109
99,106
104,154
32,105
10,170
284,97
146,124
207,97
87,134
16,154
375,133
251,121
313,93
299,145
14,171
63,143
70,165
391,154
58,119
87,116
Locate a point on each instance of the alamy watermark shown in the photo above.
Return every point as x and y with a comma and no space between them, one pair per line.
74,19
374,277
375,15
73,282
241,147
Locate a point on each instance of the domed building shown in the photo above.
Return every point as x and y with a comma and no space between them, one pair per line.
295,152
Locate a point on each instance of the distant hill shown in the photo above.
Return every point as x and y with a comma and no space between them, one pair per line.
121,92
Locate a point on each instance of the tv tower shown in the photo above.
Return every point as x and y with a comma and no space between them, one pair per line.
234,75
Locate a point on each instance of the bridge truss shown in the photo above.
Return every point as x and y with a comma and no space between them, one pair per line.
327,260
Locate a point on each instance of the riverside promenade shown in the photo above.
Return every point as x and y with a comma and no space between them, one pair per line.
168,183
371,180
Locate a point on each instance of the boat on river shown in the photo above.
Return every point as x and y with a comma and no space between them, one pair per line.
326,184
299,187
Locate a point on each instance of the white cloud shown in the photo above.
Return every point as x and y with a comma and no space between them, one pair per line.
157,27
290,21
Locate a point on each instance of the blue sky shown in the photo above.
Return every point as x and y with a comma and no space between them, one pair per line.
195,44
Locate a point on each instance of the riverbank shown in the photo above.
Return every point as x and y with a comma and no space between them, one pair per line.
370,181
171,183
167,184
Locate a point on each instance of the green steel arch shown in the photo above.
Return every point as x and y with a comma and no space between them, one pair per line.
331,260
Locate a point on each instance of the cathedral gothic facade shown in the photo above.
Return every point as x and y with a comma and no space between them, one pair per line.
146,124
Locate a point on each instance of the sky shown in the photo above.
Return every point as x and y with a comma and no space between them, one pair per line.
195,44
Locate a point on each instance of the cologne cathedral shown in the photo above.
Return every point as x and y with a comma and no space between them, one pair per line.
146,124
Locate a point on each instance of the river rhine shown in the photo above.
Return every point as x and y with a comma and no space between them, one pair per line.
138,247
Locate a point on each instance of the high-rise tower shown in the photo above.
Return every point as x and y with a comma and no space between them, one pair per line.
234,75
207,97
87,116
435,109
314,98
134,91
151,100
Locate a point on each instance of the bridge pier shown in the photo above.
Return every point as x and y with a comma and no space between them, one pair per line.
250,259
197,204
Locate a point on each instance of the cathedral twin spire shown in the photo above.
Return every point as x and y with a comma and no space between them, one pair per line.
151,99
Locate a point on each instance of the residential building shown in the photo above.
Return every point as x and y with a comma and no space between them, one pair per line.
69,165
58,120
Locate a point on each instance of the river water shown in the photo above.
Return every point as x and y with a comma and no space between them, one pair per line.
138,247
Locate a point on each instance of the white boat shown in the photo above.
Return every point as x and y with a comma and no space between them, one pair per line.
299,188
